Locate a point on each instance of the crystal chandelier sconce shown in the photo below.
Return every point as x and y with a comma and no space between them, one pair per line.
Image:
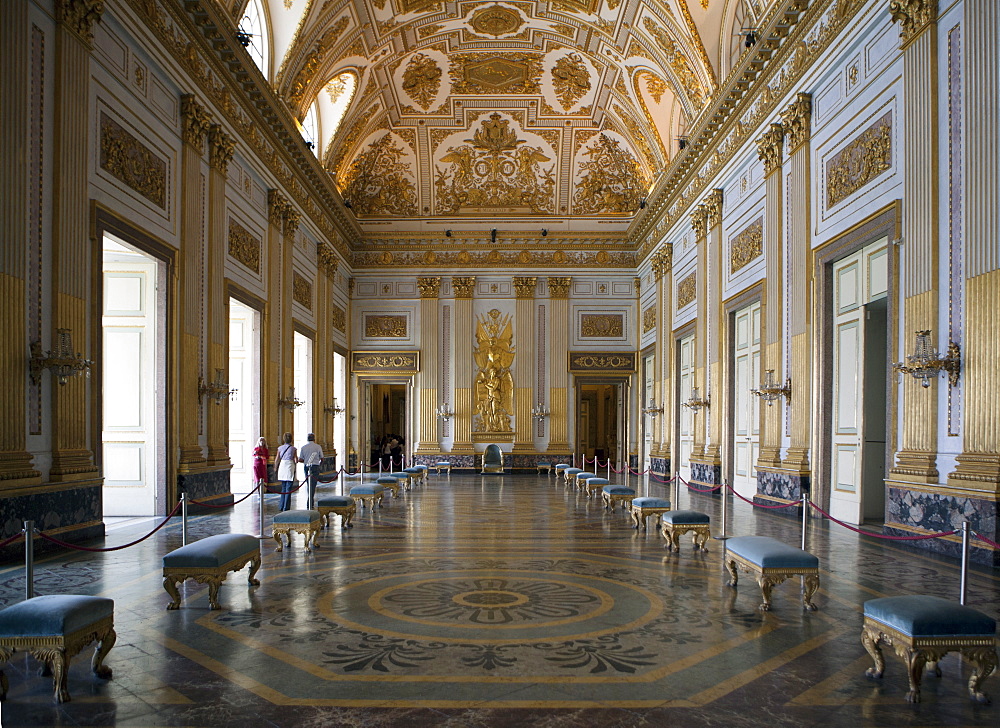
333,409
924,364
291,402
770,390
540,412
651,409
695,402
444,412
217,390
61,360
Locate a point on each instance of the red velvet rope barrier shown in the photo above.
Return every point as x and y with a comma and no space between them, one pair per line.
193,502
701,490
286,492
759,505
11,540
636,472
881,535
978,535
75,547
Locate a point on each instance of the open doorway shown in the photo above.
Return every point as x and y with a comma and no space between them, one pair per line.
244,404
387,420
133,387
302,368
599,422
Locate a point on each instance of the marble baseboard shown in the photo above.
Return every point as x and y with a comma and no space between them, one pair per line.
920,510
212,486
706,475
69,512
777,486
660,466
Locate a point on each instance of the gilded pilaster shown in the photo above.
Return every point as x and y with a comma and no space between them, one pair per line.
463,288
524,331
279,362
427,440
712,290
326,263
916,460
699,218
558,376
662,265
72,455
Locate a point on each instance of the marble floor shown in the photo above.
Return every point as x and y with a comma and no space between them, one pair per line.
495,601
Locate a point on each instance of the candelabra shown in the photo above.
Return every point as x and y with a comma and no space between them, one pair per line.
540,411
291,402
61,360
770,390
217,390
444,412
651,409
333,409
924,363
694,401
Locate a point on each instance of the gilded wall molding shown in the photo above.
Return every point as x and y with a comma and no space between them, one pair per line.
746,246
864,158
769,148
385,326
491,259
913,16
131,162
220,148
687,290
524,287
385,362
649,319
602,325
430,286
244,246
602,362
195,122
558,286
797,121
463,286
302,291
79,16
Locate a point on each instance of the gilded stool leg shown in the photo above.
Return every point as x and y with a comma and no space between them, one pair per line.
170,584
675,540
213,593
915,660
811,584
60,680
277,538
766,585
254,566
700,538
735,580
984,661
5,655
870,639
104,645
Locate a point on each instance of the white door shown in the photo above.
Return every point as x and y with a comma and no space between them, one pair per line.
685,381
303,373
858,279
244,405
648,423
129,386
746,407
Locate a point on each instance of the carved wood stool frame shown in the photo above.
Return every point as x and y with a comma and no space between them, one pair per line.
611,500
672,533
309,530
439,467
56,651
374,500
346,513
541,466
211,575
641,513
918,652
767,579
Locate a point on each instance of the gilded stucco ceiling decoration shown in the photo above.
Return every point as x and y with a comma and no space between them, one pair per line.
422,80
611,180
494,170
496,20
379,182
678,64
571,79
507,73
296,91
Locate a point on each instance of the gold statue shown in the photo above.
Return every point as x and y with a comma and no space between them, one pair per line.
494,383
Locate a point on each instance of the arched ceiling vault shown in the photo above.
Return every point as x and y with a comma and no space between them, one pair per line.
514,114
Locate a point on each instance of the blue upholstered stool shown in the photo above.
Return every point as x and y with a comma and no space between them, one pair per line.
570,475
580,479
772,562
370,493
589,482
343,505
424,471
674,524
209,561
560,470
415,474
306,522
443,465
402,480
55,628
645,506
923,629
547,467
614,494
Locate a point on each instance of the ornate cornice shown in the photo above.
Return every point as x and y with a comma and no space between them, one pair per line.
797,121
79,16
524,287
699,221
220,148
463,286
559,286
769,148
713,208
195,122
430,286
913,16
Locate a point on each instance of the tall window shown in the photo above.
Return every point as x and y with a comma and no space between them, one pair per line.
254,28
341,91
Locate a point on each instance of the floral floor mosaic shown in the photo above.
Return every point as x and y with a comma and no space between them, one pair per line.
496,601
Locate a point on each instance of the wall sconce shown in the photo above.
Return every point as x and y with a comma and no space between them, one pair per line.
61,360
291,402
770,391
217,390
540,412
694,401
444,412
925,363
651,409
333,409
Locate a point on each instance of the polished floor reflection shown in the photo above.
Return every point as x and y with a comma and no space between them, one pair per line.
496,601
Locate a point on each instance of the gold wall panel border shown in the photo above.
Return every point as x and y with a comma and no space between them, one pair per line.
385,362
602,362
385,327
131,162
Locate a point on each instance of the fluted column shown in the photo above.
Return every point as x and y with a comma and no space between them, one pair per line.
279,362
916,460
524,390
15,182
797,121
713,339
325,386
769,149
558,375
463,287
427,440
220,153
699,218
979,464
664,350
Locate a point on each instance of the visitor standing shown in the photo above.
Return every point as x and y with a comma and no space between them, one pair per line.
285,460
312,455
260,458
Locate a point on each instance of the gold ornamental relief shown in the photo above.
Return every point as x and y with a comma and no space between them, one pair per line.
385,362
591,362
244,246
571,80
507,73
495,20
601,325
648,320
687,290
422,80
131,162
611,180
379,182
385,327
338,317
302,291
494,385
747,246
868,156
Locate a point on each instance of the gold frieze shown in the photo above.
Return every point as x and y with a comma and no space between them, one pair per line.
131,162
494,385
649,319
868,156
687,290
302,291
747,246
385,327
385,362
601,362
244,246
601,325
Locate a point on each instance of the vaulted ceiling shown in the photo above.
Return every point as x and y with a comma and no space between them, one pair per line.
506,113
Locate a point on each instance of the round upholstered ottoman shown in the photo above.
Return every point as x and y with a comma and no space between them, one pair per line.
647,506
343,505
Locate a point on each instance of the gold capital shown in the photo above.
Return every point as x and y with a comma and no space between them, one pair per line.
796,121
220,148
769,147
429,287
195,122
463,286
913,16
525,287
559,286
79,16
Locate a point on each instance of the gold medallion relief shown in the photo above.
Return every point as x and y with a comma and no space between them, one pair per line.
422,80
601,325
385,327
495,20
